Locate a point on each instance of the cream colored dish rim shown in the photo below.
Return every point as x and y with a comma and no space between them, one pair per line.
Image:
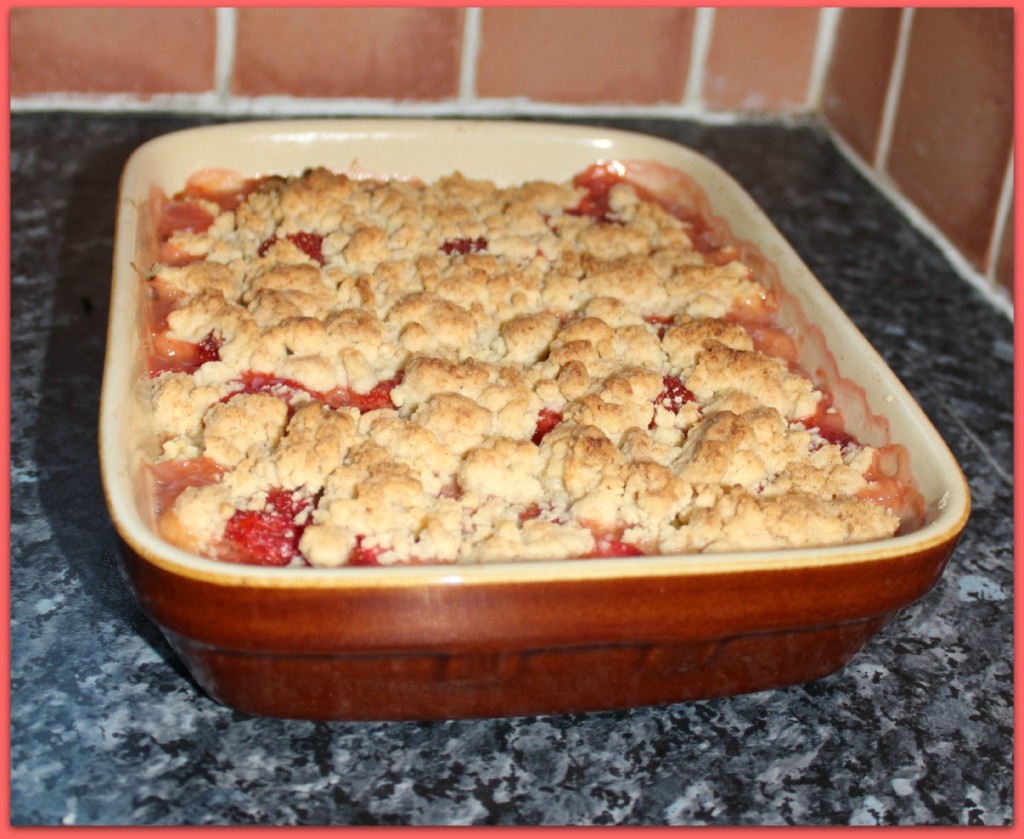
504,152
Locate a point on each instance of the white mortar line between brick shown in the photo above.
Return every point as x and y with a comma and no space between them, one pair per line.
828,22
892,96
999,299
225,56
211,104
700,40
468,56
999,229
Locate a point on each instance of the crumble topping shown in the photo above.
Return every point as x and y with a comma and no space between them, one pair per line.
397,372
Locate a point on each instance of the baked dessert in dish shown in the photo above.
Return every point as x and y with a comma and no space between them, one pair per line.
352,371
370,449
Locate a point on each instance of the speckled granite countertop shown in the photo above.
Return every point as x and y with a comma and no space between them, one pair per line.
107,728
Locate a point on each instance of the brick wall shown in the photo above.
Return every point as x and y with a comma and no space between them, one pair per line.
921,99
924,97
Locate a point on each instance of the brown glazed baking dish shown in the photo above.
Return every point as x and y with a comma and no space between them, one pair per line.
435,642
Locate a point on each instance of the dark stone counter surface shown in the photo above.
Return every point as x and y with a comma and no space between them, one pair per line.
108,728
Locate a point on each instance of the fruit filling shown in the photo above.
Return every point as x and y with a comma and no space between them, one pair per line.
547,420
674,394
311,244
341,397
463,246
269,536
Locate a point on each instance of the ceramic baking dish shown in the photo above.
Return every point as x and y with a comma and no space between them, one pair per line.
434,642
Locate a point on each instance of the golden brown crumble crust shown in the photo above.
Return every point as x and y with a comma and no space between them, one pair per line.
496,307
